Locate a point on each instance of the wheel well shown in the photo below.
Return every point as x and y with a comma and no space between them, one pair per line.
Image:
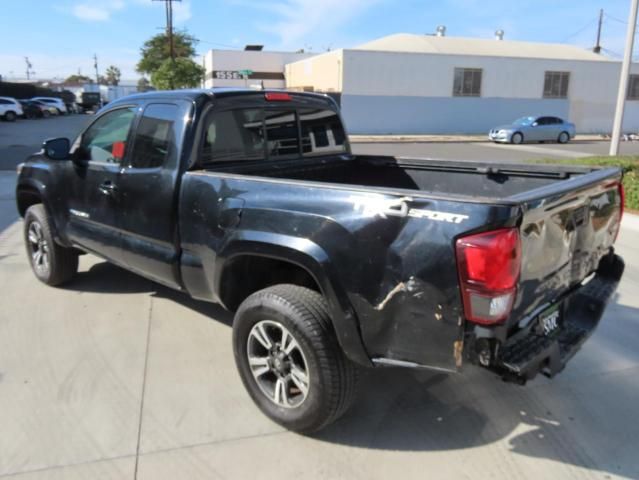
27,197
246,274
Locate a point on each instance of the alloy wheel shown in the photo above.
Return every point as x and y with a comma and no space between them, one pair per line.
278,364
38,248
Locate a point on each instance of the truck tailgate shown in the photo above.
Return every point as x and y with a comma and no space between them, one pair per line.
565,231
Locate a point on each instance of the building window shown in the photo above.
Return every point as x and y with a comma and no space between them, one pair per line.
556,84
633,87
467,82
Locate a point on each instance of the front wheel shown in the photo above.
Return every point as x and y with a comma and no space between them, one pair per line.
51,263
10,116
289,359
517,138
563,137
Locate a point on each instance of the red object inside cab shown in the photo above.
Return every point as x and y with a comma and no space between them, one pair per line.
118,150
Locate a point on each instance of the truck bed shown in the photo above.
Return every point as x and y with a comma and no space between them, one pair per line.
458,178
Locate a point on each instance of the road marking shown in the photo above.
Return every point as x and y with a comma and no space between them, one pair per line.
530,148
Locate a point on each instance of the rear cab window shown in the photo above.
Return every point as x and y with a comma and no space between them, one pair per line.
322,132
233,135
270,133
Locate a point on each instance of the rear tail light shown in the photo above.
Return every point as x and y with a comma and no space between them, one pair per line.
277,97
489,265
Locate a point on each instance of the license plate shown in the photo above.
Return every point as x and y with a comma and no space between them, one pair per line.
549,321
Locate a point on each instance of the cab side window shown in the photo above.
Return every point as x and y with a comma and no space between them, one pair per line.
233,135
104,142
155,137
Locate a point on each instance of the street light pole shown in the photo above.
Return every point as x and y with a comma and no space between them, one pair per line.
623,81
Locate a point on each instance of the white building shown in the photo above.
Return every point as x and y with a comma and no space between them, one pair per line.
223,67
419,84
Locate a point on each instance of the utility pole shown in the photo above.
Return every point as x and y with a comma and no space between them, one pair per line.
623,81
597,48
29,67
95,65
168,5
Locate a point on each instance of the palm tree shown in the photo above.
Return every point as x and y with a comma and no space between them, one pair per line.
113,75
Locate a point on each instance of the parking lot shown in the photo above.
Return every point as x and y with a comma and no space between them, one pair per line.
114,376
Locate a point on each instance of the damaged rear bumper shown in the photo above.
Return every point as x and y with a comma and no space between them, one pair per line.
529,351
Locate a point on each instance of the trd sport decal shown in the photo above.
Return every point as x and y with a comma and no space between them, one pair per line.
372,206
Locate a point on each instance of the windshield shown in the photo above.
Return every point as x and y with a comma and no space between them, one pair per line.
524,121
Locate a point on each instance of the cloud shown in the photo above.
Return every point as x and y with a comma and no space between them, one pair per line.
92,12
182,11
296,19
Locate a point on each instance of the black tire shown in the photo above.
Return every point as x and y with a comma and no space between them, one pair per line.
56,264
564,137
517,138
10,116
332,378
46,113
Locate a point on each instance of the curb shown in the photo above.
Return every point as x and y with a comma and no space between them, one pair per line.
630,221
445,138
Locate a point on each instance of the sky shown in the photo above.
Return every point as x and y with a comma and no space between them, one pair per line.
60,37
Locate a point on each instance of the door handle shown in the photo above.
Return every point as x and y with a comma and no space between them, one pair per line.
107,188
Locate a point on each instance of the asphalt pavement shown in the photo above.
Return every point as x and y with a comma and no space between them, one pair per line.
493,152
114,376
21,138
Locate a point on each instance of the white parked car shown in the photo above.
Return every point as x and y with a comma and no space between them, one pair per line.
10,109
56,102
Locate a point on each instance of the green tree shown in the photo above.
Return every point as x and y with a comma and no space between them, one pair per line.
156,50
181,73
112,75
144,85
75,78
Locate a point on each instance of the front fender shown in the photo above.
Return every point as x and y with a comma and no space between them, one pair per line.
32,190
312,258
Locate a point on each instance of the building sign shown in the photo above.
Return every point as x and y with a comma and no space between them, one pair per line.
227,75
237,75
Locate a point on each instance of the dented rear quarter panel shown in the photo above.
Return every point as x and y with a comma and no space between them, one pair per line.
385,261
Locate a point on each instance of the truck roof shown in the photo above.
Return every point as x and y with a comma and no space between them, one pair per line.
195,93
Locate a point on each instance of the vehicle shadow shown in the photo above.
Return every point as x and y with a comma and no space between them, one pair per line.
104,277
580,418
583,418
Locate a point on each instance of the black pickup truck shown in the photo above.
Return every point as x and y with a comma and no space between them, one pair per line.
331,261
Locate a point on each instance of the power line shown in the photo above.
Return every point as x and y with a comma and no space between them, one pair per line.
582,29
615,19
234,47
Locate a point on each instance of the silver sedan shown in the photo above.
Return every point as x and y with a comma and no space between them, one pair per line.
534,129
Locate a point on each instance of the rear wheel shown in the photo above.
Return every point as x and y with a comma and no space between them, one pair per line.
10,116
564,137
51,263
289,360
517,138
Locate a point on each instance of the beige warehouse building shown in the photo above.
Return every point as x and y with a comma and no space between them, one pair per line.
421,84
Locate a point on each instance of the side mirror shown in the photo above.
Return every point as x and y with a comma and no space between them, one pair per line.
57,148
